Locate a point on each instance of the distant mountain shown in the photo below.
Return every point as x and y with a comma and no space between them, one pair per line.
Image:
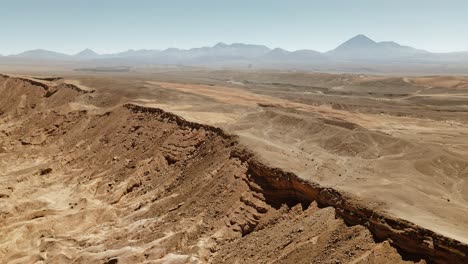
359,42
134,53
225,51
451,57
358,54
40,54
239,50
219,53
277,54
363,48
299,55
87,54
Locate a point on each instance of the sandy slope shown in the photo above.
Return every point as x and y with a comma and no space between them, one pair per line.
85,184
137,187
415,167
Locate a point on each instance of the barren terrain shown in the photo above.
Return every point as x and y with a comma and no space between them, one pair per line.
187,166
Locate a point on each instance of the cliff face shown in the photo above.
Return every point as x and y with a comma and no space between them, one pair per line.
129,184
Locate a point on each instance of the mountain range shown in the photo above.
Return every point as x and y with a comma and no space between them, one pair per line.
359,50
363,48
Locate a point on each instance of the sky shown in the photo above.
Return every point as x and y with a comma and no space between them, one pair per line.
108,26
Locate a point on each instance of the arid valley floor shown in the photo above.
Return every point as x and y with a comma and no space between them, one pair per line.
189,165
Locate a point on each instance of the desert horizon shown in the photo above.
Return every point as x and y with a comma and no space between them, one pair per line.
233,153
359,54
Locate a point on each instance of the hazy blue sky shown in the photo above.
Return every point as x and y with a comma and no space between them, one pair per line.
109,26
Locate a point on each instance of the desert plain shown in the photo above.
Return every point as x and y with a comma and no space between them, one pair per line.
195,165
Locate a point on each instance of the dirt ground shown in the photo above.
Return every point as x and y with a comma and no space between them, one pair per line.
85,179
399,142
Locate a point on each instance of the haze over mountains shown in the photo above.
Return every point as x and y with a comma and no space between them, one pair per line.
362,47
360,53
